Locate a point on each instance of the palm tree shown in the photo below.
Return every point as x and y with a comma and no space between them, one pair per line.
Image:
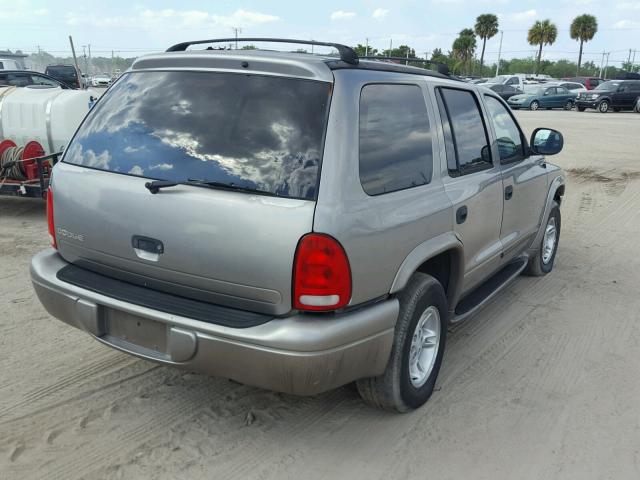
542,33
486,27
464,47
583,28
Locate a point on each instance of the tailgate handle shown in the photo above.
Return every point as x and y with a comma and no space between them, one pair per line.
147,244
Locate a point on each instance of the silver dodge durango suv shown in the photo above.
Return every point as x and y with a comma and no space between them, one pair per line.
295,221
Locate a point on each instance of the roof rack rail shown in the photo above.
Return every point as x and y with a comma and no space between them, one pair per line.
347,54
442,68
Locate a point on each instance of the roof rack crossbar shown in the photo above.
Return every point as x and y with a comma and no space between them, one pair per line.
442,68
347,54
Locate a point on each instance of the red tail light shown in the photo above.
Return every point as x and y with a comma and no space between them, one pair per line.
52,230
321,274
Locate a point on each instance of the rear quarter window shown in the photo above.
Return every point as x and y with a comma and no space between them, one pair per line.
395,143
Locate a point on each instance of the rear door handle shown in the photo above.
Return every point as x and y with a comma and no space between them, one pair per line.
508,192
461,214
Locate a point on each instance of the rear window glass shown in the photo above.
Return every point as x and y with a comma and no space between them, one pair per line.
256,132
68,72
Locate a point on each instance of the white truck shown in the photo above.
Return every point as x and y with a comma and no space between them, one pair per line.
518,80
10,64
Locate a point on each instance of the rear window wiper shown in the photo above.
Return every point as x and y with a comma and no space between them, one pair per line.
227,186
156,185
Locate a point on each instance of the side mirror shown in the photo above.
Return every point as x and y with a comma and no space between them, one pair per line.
485,154
546,141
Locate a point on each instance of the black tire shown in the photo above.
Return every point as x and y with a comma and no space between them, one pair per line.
535,105
393,390
603,106
537,267
568,105
581,109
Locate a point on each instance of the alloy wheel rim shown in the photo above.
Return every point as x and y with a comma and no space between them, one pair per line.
534,106
604,106
424,346
549,241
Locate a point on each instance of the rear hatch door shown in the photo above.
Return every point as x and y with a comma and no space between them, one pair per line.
258,138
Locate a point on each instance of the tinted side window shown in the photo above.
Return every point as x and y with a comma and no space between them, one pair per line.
513,81
508,135
468,131
395,138
634,87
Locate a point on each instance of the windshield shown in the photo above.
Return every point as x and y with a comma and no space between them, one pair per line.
255,132
609,86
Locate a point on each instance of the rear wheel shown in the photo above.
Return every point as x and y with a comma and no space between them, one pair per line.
582,109
603,106
535,105
418,347
542,262
568,105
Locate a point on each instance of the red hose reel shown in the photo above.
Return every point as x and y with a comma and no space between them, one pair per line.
31,150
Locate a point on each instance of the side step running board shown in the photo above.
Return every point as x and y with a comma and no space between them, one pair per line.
475,300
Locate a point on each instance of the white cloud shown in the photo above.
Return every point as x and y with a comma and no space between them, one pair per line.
136,170
628,6
20,10
342,15
518,17
169,17
626,24
380,13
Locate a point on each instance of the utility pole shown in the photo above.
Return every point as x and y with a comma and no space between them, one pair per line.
499,53
73,50
84,55
90,66
606,65
390,46
602,63
366,47
629,57
112,63
236,31
406,62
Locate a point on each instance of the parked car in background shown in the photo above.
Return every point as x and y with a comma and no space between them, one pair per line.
269,270
544,97
68,74
613,95
589,82
9,64
101,80
571,86
479,81
505,91
25,78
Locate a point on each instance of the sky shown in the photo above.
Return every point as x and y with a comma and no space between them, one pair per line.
131,27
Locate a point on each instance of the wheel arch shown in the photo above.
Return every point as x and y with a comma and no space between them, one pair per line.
555,194
441,257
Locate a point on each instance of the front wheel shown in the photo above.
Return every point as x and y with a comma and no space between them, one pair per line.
535,105
416,354
568,105
603,106
542,262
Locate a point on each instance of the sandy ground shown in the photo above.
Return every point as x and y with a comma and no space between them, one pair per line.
542,384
